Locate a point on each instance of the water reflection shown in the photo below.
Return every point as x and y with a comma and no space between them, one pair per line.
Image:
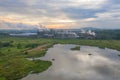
102,64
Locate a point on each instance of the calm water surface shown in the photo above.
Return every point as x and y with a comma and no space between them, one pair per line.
90,63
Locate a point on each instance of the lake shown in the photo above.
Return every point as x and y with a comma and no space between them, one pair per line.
89,63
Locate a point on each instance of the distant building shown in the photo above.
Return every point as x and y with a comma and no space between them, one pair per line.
44,32
24,34
87,34
65,34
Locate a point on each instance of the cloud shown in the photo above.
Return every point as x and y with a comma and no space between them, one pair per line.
18,26
89,4
108,19
73,13
110,15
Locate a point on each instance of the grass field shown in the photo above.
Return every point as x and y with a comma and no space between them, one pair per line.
14,51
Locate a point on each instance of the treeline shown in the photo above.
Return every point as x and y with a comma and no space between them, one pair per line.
108,34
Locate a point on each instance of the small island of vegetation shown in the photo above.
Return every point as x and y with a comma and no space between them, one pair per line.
76,48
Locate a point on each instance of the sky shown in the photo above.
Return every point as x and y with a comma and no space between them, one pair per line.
60,13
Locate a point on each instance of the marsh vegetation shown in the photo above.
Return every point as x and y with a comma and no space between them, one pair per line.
14,52
76,48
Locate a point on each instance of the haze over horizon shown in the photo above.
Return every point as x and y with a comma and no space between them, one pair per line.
17,14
